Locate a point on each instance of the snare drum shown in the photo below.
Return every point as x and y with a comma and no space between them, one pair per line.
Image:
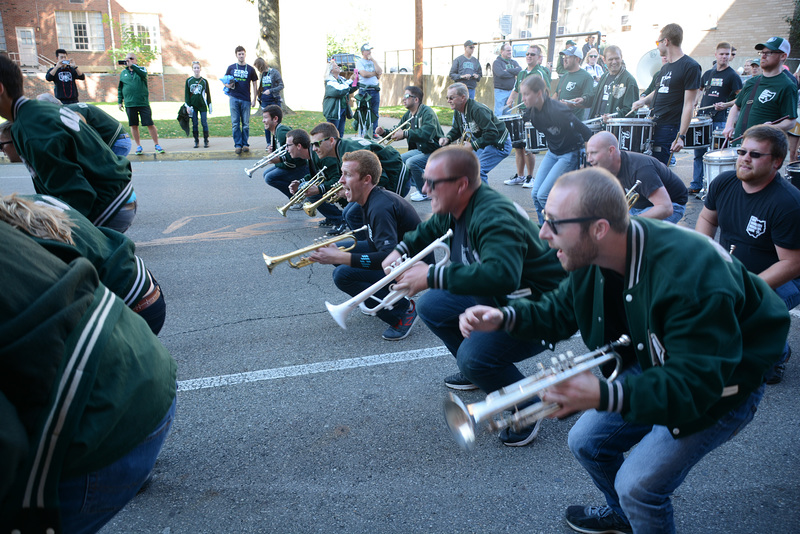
715,163
643,112
534,140
634,135
699,133
717,140
515,126
595,126
793,173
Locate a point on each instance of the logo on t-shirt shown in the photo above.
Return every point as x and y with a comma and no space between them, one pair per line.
570,86
664,84
766,95
64,76
756,227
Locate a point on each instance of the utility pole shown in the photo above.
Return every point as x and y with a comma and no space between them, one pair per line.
551,41
418,44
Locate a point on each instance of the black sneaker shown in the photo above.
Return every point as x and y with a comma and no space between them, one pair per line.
775,374
338,230
459,382
403,326
514,438
328,223
596,520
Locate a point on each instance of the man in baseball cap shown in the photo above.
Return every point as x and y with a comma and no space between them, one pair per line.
768,97
369,74
467,69
576,86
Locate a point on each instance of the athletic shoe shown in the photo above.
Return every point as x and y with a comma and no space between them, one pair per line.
459,382
693,191
403,326
672,161
159,149
528,182
417,196
328,223
514,438
139,150
596,520
295,207
238,150
245,148
338,230
516,180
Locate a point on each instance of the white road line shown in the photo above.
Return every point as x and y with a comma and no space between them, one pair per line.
309,369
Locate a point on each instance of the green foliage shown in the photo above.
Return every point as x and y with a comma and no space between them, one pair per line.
130,41
347,42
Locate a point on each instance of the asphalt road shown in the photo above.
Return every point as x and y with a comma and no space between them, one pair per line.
287,423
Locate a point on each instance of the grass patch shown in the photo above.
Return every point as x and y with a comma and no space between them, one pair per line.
165,118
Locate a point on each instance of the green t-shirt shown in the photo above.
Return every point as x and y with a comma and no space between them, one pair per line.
776,98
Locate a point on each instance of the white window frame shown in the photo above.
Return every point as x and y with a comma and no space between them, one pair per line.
144,23
69,23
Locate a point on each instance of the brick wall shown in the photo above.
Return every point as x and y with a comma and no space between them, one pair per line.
103,87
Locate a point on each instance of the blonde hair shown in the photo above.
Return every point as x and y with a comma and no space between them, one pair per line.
44,222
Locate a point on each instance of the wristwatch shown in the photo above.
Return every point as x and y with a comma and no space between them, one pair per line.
682,137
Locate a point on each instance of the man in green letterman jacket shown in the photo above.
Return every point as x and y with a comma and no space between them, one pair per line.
693,374
496,256
87,393
67,159
475,126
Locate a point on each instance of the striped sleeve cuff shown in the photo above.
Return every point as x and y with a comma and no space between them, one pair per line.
509,318
612,396
402,248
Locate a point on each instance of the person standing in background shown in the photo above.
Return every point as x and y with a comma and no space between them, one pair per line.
504,72
63,75
467,69
240,102
198,98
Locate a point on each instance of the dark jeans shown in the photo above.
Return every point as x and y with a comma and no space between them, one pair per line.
663,137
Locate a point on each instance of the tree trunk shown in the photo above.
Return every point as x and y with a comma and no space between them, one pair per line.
794,35
418,44
269,42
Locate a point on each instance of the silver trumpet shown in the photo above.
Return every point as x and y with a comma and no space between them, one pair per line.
463,420
341,311
263,162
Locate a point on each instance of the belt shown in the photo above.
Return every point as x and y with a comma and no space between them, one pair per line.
123,136
148,299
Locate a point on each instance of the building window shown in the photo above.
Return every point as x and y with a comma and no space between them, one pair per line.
80,30
3,46
145,26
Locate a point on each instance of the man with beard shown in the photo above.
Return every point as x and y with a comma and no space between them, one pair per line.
576,86
758,215
495,256
692,375
617,90
388,217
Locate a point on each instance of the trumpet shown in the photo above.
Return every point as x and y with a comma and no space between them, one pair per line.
341,311
465,138
632,196
301,191
387,139
311,207
272,261
463,420
263,162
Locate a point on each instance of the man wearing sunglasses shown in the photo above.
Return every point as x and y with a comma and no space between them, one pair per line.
773,98
467,69
692,375
758,213
591,66
495,256
422,135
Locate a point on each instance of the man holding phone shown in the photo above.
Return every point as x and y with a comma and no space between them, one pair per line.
63,75
134,97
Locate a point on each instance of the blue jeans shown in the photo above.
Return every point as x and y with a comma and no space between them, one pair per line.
123,219
491,156
340,123
415,161
122,146
354,280
677,212
281,178
550,169
471,93
790,293
240,122
487,358
663,137
639,487
374,107
90,501
500,99
697,174
203,123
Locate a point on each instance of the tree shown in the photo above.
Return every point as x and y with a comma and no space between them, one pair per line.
794,32
131,41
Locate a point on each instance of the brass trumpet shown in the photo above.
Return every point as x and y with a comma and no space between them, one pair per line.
272,261
387,139
463,420
263,162
311,207
341,311
301,191
631,196
465,138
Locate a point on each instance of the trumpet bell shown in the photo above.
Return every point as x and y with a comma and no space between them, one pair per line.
459,421
339,313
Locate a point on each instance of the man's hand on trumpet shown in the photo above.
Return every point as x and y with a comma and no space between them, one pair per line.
330,255
414,280
576,394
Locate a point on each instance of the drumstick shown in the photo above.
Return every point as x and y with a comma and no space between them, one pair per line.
515,107
712,105
773,122
631,111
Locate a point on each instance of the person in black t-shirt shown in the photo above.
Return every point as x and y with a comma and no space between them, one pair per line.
720,86
389,216
63,75
673,99
662,194
758,214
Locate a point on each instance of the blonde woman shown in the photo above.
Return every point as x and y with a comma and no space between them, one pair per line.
337,88
69,235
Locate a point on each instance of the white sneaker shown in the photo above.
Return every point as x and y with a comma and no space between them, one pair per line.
516,180
416,196
528,182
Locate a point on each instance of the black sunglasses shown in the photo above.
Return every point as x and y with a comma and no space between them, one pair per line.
431,183
4,143
753,153
316,144
554,223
